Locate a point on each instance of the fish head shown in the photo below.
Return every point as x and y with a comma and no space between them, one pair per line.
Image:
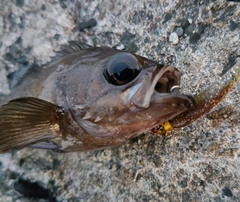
117,94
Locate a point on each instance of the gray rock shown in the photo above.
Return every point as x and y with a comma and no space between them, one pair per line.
173,38
198,162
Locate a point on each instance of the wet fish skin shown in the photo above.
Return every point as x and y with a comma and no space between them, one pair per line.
73,104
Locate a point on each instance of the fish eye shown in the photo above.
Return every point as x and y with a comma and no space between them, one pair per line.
122,68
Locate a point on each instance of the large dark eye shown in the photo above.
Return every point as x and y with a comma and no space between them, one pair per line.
123,68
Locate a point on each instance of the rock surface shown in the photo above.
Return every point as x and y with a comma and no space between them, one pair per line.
196,163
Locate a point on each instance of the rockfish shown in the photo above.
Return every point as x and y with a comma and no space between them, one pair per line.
90,98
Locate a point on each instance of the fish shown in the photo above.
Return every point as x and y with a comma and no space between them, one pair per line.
90,98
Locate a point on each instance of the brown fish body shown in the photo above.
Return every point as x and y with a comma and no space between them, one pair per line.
90,98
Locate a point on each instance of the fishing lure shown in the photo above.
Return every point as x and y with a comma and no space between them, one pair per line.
205,101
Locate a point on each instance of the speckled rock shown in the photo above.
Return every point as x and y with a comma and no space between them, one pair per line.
173,38
197,163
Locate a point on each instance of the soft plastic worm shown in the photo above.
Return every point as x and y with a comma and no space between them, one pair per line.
205,101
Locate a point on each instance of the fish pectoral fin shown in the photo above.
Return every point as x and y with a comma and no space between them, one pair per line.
26,121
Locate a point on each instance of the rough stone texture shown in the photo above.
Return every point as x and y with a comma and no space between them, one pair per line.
197,163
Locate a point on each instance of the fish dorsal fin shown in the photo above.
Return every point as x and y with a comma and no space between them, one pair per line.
72,47
26,121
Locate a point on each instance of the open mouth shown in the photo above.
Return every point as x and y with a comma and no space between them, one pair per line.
161,88
166,88
169,81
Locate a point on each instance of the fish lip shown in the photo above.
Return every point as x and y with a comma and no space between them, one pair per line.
176,100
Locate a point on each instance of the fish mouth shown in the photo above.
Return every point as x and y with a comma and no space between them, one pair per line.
166,89
169,81
160,87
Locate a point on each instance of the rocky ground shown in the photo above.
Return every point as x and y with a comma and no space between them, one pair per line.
197,163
